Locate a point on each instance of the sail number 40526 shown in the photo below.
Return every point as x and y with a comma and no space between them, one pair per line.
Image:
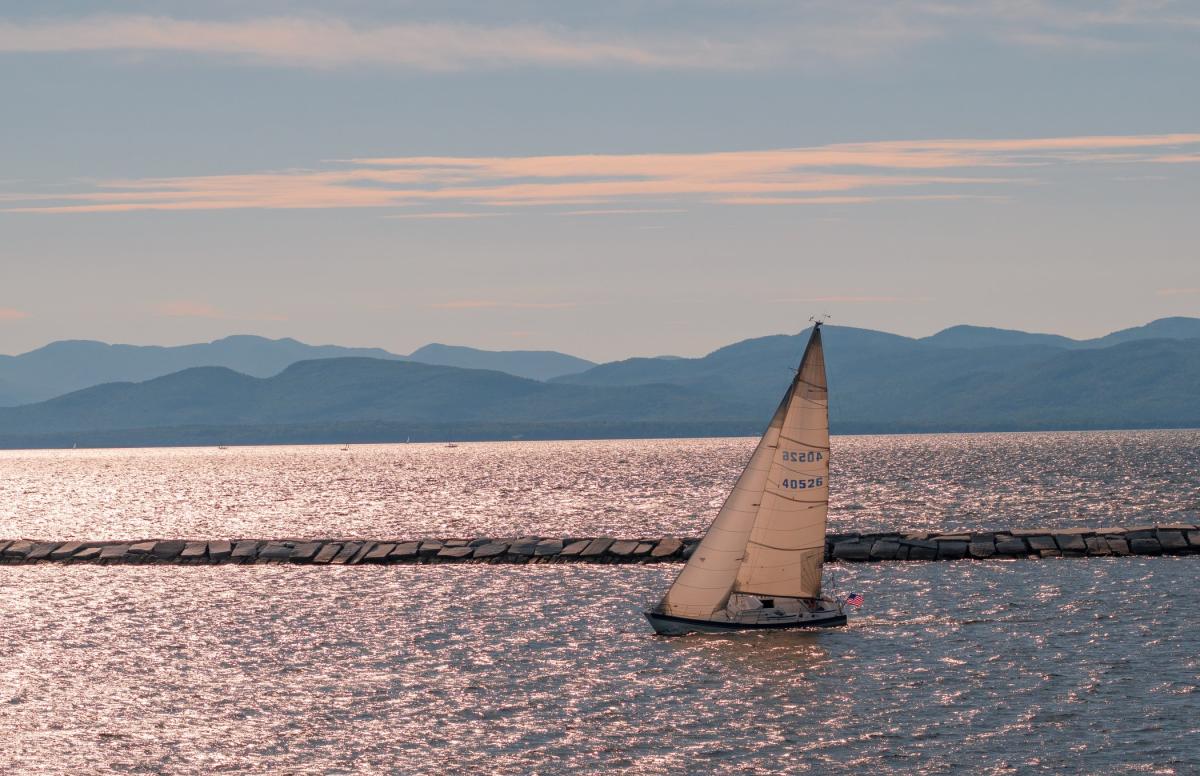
814,482
792,455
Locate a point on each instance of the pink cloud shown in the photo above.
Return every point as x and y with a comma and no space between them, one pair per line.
186,308
466,187
327,43
853,200
480,304
446,215
183,308
313,41
853,299
769,35
9,314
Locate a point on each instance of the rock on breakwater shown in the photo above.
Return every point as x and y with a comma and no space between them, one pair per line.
1171,539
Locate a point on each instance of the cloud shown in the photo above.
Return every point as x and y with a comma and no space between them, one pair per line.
1177,158
706,36
623,211
853,200
468,187
1058,41
446,214
480,304
9,314
1095,26
1177,291
185,308
852,299
324,42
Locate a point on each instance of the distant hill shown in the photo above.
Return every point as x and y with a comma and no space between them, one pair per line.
69,365
535,364
986,337
353,391
880,383
1163,328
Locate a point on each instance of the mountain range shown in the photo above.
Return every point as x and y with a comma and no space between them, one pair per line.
964,378
70,365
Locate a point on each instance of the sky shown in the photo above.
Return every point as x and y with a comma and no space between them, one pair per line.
605,179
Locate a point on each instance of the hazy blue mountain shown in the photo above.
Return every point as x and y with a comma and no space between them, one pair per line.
70,365
986,337
1163,328
879,383
535,364
354,390
883,382
755,370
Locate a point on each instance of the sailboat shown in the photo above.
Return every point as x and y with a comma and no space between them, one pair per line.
760,561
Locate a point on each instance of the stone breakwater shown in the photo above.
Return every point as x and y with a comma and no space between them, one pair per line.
1174,539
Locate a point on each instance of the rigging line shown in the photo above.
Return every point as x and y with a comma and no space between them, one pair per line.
783,549
802,500
806,444
776,595
702,587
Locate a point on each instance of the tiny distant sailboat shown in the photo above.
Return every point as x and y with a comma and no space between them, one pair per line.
760,561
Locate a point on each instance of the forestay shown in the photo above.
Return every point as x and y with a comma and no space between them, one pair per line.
769,537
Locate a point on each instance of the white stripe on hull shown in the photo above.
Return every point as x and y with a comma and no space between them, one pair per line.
679,626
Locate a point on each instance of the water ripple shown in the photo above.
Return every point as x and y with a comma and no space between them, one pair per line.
619,487
992,667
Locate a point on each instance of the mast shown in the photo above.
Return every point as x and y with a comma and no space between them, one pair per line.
769,537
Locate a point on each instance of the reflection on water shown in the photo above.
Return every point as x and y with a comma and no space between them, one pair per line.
1085,666
992,667
621,487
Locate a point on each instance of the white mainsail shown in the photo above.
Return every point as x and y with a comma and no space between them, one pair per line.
769,537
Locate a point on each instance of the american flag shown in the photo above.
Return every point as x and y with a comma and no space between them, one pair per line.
854,599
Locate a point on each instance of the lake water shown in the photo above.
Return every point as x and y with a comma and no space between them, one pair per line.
621,487
1053,666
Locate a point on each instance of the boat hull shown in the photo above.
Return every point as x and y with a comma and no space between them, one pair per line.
670,625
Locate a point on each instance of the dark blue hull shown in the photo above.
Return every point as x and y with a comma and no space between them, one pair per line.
670,625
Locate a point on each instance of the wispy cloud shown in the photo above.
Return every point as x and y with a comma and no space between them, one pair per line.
186,308
489,304
1177,291
1096,26
857,299
623,211
810,34
439,215
1177,158
10,314
469,187
182,308
1071,42
856,200
324,42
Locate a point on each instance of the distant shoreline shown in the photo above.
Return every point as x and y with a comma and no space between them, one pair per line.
395,433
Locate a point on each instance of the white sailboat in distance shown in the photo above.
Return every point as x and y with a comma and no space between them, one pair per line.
759,563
